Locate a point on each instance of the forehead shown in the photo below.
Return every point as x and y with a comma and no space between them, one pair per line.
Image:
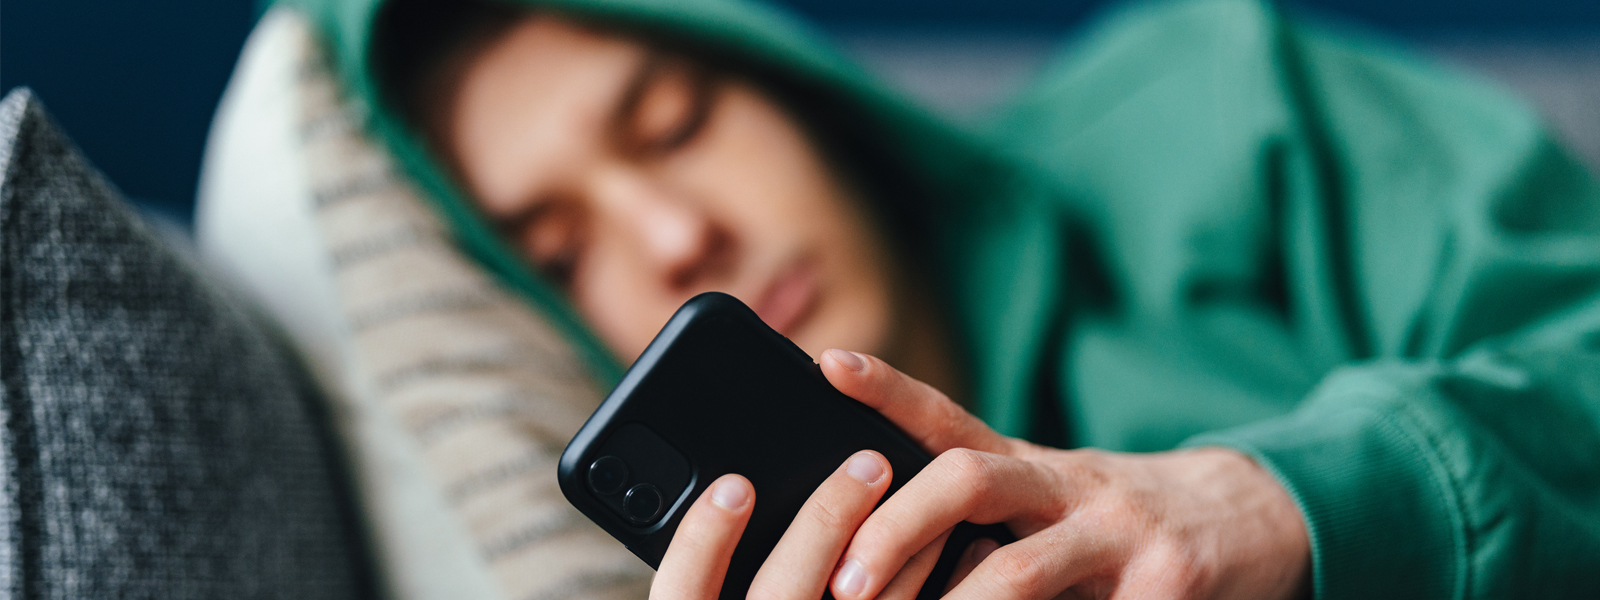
539,96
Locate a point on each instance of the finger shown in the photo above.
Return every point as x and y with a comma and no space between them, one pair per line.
697,559
936,423
959,485
1040,566
980,549
908,582
800,565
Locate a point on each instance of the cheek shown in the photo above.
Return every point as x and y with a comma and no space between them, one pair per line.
783,199
614,295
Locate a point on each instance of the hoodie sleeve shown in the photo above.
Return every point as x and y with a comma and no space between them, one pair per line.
1460,457
1469,478
1440,255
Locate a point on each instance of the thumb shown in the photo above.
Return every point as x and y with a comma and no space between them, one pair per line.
926,414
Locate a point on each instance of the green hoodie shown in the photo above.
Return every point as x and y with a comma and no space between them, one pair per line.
1211,225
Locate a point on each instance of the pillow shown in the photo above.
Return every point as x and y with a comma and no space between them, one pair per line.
455,397
156,443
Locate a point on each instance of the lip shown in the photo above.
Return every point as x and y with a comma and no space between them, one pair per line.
789,299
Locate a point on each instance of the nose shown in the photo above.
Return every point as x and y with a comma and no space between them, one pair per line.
675,237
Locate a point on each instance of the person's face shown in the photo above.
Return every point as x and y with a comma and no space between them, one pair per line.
635,182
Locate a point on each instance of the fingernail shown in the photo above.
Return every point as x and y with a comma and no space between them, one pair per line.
982,548
851,580
848,360
865,468
730,494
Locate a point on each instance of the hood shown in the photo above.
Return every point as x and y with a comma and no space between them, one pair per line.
993,258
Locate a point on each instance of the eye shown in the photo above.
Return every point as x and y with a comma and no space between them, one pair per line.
551,238
667,108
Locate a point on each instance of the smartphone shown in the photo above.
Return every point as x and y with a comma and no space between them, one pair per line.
719,392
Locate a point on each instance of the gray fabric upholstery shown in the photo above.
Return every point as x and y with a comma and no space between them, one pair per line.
156,444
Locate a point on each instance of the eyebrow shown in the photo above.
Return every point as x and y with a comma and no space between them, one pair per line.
623,105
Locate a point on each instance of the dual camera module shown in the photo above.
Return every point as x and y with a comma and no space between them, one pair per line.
637,475
641,504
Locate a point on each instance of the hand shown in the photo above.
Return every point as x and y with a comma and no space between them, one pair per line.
804,559
1202,523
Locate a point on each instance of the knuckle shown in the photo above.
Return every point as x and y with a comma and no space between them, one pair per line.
1017,571
965,464
965,471
1085,468
1121,514
1179,568
1127,508
826,515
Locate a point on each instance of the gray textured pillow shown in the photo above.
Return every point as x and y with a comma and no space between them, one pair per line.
156,443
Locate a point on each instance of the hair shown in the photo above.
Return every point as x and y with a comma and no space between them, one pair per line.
422,49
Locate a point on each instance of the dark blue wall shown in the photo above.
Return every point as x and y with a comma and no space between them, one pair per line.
135,83
1394,15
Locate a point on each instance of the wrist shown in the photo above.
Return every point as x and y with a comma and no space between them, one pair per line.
1273,548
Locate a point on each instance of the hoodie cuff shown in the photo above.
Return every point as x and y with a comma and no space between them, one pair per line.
1383,515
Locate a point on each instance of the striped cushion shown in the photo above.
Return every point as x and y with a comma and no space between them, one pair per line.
431,358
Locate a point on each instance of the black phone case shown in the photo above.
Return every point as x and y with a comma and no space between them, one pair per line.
733,396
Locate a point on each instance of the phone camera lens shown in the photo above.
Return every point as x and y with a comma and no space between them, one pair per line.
643,504
608,475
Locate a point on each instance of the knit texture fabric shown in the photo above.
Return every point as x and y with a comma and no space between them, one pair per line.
486,388
155,443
